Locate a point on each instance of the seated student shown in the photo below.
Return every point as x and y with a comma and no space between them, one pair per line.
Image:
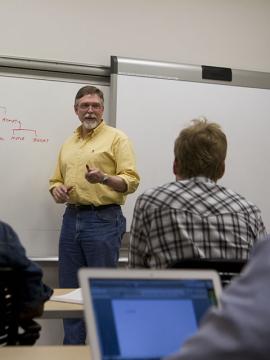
193,216
239,328
33,292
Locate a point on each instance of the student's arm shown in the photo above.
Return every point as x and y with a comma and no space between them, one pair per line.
33,292
138,238
239,329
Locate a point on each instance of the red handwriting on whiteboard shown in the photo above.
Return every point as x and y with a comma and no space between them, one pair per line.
11,121
19,133
41,140
17,138
14,131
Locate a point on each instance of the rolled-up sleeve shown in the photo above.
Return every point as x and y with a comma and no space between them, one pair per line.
57,178
126,163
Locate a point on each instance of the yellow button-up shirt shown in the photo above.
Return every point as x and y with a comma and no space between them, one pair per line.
105,148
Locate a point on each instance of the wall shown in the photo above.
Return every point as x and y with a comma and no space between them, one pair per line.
213,32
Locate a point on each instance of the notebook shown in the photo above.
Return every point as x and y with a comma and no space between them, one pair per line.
144,314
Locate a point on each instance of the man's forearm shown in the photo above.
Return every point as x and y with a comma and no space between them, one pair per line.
116,183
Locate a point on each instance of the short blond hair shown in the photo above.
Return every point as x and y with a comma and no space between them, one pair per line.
200,150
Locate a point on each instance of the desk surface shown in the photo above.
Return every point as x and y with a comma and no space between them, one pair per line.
57,309
81,352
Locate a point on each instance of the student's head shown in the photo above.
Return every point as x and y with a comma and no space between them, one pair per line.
200,150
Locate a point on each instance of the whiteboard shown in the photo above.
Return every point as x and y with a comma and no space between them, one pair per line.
36,116
152,111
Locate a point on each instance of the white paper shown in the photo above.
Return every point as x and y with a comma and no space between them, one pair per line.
74,296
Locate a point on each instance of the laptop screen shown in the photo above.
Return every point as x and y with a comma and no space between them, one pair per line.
147,318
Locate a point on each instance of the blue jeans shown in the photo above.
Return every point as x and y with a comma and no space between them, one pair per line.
90,237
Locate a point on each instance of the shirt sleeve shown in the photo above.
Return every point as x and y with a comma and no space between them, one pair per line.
57,178
126,163
239,328
138,238
261,231
12,254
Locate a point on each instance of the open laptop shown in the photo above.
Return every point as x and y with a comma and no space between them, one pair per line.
144,314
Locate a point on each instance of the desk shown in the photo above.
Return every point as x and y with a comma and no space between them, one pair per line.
61,310
81,352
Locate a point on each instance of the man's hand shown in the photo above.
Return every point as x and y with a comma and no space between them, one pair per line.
93,175
61,193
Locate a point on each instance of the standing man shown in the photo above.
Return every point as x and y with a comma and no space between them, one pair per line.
194,217
94,173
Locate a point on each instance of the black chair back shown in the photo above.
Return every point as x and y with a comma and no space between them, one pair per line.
9,313
226,268
8,308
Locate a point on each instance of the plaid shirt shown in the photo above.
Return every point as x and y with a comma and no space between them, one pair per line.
192,218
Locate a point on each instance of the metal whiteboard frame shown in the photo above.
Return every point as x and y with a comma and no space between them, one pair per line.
180,72
53,70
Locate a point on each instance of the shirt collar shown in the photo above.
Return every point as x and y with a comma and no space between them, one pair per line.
200,179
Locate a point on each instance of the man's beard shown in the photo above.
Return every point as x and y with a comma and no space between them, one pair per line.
90,124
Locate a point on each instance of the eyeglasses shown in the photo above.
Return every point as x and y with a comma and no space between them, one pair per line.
93,106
